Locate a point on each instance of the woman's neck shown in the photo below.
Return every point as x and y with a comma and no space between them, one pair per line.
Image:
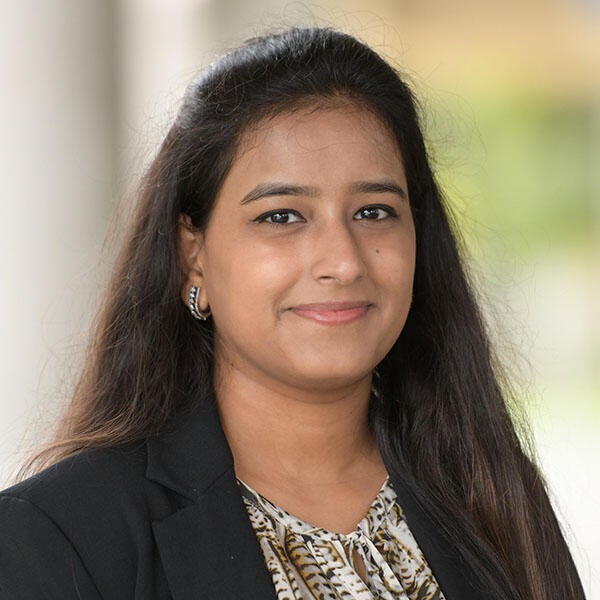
302,437
311,453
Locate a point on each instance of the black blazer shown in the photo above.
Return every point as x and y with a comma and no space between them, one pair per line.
163,519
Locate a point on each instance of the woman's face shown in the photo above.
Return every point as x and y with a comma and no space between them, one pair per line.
308,259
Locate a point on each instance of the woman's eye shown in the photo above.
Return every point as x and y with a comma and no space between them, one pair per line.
280,217
375,213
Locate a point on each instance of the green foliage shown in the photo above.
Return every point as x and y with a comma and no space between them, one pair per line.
530,171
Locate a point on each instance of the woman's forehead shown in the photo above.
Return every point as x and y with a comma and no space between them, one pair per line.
315,126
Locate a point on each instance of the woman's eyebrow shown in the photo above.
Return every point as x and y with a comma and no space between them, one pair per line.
379,187
264,190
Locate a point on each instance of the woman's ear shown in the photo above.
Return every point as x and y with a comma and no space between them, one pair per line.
190,246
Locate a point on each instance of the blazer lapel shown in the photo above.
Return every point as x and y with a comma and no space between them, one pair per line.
208,548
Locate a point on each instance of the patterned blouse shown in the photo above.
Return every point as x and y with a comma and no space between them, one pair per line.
308,562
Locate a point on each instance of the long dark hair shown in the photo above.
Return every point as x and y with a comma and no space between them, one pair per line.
440,416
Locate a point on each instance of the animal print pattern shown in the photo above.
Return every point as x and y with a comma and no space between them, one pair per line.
308,562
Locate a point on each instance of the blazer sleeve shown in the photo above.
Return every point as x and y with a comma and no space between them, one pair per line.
37,561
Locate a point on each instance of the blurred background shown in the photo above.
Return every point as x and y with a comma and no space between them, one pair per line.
510,94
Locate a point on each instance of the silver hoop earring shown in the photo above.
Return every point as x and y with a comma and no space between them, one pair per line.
193,305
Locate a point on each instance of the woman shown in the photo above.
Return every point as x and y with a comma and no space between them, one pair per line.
290,393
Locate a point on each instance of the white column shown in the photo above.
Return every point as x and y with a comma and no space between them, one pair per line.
55,186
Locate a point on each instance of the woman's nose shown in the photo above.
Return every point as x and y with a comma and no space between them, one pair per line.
337,254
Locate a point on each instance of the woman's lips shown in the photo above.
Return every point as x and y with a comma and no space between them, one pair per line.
332,313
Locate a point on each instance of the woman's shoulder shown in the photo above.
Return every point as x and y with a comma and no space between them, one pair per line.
85,527
79,520
88,477
148,478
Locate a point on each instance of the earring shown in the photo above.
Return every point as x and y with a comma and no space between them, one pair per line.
193,305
